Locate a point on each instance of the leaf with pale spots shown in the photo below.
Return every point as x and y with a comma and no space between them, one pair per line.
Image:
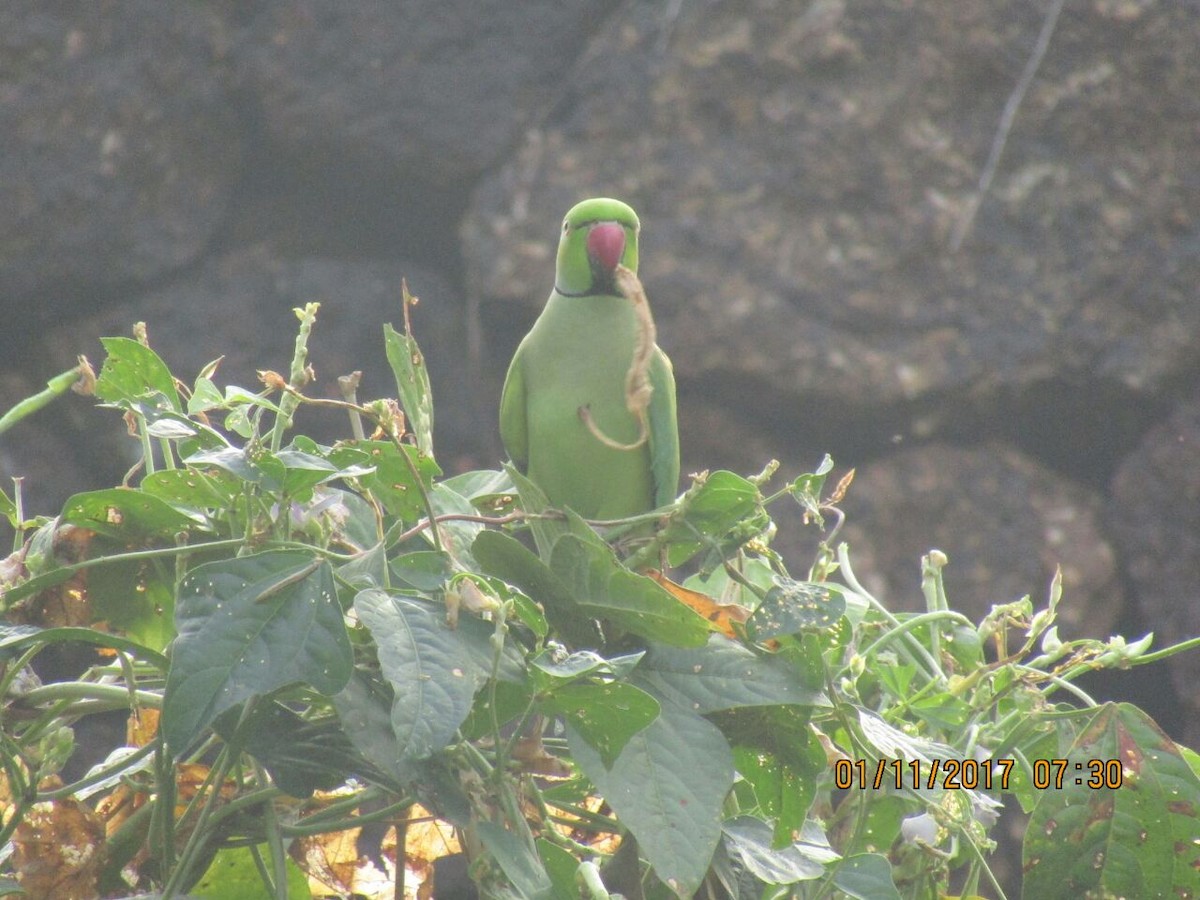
246,627
392,480
605,715
128,515
792,606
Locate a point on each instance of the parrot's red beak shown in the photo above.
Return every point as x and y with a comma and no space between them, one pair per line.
606,245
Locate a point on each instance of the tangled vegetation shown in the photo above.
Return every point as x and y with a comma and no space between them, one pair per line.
327,653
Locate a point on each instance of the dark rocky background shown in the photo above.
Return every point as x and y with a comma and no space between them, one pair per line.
1019,387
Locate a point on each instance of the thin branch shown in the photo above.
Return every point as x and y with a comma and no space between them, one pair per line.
1007,118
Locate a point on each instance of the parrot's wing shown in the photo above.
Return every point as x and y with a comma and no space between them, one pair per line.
514,426
664,430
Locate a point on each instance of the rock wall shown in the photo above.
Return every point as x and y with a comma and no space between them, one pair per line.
954,243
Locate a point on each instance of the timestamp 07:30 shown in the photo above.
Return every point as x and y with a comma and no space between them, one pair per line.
971,774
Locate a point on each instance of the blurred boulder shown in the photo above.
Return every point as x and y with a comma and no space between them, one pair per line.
118,147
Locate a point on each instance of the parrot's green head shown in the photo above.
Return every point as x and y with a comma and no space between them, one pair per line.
597,234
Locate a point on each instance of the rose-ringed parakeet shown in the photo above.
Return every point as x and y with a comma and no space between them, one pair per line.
574,363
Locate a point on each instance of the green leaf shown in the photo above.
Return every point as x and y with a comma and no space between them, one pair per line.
605,715
253,463
15,638
412,384
1137,840
133,373
518,858
433,669
549,672
560,865
803,860
246,627
545,531
807,488
667,787
866,876
304,471
711,509
302,755
392,480
508,559
137,598
792,606
487,488
233,875
723,674
510,701
423,570
364,707
603,588
189,487
127,514
784,782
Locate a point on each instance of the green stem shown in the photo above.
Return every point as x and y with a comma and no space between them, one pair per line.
55,388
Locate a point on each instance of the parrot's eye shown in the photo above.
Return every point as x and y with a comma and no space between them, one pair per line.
566,227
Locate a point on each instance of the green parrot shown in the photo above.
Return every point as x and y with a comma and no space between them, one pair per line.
576,358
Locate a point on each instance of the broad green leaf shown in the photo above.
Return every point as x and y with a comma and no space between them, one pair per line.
561,866
368,569
803,860
603,588
133,373
457,534
364,707
392,480
605,715
136,598
233,875
511,700
127,514
792,606
246,627
723,674
784,783
1135,840
302,755
434,670
508,559
517,857
423,570
412,384
192,488
548,671
723,502
866,876
667,787
304,471
253,463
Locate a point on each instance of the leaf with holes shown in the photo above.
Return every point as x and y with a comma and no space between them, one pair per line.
792,606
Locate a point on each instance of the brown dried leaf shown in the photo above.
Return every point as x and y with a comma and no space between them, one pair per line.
58,848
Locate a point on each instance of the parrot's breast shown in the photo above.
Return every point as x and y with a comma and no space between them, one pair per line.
578,355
